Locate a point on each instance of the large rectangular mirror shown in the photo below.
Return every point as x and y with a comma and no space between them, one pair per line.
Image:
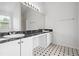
31,19
15,16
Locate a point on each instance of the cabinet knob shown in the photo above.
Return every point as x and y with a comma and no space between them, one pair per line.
18,42
21,41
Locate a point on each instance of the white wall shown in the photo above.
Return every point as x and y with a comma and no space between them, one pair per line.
12,9
62,18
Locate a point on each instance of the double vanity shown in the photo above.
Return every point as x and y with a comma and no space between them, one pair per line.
21,43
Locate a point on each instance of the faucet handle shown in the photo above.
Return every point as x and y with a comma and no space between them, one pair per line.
13,32
10,33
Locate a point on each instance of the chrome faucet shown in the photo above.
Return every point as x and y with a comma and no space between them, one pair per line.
11,32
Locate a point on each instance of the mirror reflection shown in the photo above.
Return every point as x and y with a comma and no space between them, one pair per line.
15,16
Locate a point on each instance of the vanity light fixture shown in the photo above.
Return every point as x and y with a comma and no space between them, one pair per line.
30,5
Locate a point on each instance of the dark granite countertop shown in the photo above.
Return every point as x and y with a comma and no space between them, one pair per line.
26,35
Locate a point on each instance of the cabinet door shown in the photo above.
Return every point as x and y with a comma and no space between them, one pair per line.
43,40
49,38
26,46
35,41
11,48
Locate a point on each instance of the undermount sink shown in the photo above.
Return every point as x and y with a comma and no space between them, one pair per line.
14,36
3,39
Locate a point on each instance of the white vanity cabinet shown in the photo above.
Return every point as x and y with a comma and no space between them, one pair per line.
11,48
26,46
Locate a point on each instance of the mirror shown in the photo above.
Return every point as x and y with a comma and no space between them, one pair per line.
31,19
14,16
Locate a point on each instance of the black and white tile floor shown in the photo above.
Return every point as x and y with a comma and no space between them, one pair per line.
55,50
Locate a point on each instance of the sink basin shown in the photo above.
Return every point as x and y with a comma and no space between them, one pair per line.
3,39
14,36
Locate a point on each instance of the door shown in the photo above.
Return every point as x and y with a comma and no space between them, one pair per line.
26,46
43,40
11,48
49,38
35,41
40,40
